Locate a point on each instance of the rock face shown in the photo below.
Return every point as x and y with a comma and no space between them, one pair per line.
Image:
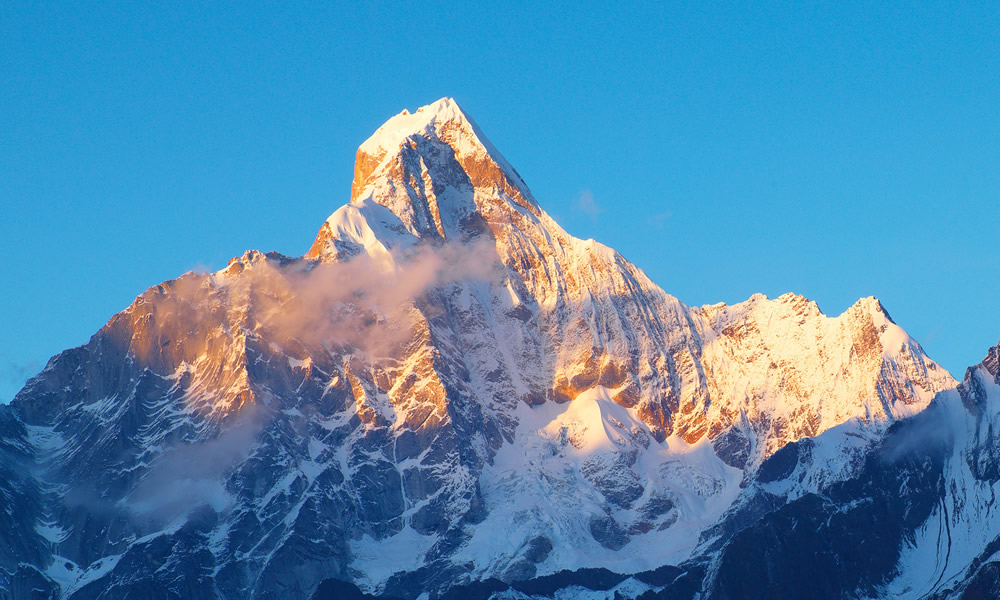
915,521
449,391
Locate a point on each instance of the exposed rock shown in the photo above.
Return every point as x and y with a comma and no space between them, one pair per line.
608,533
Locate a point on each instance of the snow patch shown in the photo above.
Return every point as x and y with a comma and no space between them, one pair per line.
380,559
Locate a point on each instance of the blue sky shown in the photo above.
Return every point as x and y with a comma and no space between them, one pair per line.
833,151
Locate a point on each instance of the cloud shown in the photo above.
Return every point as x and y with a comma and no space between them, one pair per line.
659,220
200,267
14,374
587,205
189,476
366,307
914,437
17,371
366,303
930,337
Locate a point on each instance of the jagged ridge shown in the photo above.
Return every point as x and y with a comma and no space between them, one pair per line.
446,371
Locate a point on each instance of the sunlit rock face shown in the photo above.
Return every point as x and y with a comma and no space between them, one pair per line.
447,387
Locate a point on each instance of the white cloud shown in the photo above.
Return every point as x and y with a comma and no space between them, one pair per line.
587,205
659,220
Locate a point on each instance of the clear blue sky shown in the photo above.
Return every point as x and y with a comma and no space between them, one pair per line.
832,151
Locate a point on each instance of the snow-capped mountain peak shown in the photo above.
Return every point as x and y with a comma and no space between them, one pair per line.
446,372
427,120
437,173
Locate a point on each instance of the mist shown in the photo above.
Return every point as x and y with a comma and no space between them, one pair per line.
364,305
189,476
929,431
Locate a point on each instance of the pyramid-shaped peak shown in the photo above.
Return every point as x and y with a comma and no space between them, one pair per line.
443,147
437,175
442,122
426,120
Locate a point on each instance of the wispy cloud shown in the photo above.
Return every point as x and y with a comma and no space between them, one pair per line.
660,220
200,267
365,302
14,374
586,204
365,307
187,477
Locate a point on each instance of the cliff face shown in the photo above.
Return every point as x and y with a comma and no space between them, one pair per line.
447,387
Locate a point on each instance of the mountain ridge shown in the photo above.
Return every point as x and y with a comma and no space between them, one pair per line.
441,367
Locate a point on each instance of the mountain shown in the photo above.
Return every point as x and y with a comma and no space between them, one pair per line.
449,394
